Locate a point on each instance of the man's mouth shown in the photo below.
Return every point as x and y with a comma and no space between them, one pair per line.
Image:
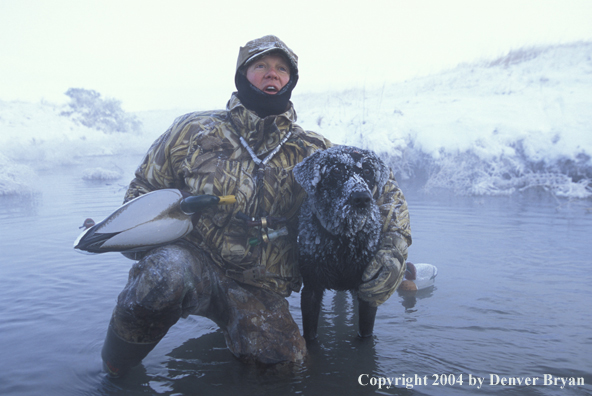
270,89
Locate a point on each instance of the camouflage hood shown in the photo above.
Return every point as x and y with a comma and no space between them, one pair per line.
264,45
251,97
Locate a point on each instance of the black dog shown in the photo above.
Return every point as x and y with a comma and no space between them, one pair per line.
339,227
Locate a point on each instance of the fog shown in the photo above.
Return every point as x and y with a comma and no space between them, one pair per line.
494,127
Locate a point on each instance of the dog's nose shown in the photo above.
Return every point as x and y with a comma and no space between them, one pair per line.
361,199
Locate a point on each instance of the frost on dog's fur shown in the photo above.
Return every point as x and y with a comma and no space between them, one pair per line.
332,229
339,227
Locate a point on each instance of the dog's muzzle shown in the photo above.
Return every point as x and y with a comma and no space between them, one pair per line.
360,199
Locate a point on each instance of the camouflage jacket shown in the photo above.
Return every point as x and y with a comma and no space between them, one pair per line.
202,153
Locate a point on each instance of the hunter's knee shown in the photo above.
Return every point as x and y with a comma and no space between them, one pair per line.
155,290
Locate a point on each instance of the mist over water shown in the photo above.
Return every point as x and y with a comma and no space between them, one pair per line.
511,299
498,127
494,161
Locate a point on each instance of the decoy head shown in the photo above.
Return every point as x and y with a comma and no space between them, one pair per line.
410,272
87,224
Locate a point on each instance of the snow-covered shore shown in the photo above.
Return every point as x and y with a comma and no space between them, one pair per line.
487,128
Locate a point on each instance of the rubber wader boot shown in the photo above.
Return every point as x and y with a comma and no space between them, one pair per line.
119,356
367,315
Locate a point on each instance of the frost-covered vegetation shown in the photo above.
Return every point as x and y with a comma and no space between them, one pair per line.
492,127
88,108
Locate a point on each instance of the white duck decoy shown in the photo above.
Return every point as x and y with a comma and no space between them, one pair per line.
150,220
418,277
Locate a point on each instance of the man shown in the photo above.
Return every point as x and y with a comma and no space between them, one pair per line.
230,269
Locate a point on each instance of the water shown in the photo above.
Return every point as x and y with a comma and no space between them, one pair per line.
512,298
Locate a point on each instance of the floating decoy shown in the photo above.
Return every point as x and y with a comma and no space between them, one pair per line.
418,277
150,220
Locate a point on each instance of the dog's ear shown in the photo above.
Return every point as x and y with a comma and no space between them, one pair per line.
381,170
308,172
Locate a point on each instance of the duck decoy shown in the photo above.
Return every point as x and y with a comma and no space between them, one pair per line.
150,220
418,277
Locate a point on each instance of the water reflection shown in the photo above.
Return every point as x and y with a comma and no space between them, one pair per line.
19,205
512,297
409,298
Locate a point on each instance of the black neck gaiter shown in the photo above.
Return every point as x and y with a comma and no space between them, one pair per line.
260,102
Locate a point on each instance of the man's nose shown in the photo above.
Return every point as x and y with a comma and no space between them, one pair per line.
271,73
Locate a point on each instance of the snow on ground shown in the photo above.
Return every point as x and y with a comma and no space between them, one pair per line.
491,127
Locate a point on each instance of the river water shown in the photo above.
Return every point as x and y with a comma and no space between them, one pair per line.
511,303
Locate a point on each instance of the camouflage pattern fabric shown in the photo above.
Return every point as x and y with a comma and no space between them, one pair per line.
178,280
385,273
265,45
201,153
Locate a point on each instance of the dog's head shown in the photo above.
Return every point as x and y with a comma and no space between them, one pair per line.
341,183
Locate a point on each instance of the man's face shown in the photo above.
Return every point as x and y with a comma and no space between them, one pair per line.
269,73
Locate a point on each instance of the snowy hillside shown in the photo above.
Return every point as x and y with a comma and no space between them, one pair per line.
494,127
489,128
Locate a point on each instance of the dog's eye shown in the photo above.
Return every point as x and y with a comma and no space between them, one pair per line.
337,171
367,173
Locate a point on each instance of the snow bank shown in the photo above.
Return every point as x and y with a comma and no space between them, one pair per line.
493,127
15,179
37,134
101,174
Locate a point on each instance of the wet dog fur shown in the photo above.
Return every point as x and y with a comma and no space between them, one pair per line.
339,227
